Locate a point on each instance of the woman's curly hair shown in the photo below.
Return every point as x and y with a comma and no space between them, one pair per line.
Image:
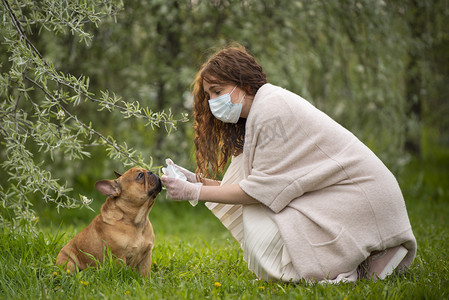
216,141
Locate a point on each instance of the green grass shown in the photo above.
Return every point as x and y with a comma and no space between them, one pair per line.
193,252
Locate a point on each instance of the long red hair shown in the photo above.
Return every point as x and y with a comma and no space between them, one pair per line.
216,141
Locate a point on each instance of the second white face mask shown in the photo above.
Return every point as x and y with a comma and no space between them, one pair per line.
224,110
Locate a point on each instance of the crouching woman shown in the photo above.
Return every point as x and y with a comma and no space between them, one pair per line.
302,195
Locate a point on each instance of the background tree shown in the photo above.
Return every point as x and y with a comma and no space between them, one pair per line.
40,120
427,89
362,62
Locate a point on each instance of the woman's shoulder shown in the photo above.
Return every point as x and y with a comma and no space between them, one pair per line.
272,94
271,100
269,90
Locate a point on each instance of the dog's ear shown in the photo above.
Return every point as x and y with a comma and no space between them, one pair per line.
108,188
117,174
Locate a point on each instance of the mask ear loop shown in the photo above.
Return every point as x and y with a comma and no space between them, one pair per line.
242,98
232,90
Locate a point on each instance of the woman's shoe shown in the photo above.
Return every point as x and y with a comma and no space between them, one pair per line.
382,264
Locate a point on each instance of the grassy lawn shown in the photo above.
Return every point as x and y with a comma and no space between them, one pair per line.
196,258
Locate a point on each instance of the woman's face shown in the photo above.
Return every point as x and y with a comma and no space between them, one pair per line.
214,90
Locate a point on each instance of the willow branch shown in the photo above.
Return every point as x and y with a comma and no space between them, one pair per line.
19,29
92,131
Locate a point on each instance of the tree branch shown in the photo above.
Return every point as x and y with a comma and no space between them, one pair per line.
19,29
81,123
23,36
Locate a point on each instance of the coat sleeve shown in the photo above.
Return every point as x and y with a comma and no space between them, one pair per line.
271,179
283,153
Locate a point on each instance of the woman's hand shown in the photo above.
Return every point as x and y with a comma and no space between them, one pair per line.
181,190
191,177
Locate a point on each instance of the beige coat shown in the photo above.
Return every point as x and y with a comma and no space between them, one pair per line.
334,201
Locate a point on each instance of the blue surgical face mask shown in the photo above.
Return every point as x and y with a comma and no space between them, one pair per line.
224,110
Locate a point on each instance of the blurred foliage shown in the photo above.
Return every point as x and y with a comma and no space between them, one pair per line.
380,68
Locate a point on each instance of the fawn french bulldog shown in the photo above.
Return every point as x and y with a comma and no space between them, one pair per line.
122,225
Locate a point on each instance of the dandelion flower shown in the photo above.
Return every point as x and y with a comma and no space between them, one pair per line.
262,288
127,292
55,273
217,284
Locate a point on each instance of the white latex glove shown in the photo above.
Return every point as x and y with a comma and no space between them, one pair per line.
191,177
181,190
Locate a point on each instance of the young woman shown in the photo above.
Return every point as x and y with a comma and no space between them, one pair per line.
302,195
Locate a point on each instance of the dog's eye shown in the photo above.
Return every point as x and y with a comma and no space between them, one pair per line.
140,176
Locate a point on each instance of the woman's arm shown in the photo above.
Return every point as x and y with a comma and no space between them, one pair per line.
211,182
227,194
180,190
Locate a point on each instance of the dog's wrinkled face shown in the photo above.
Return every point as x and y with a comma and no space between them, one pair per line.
139,183
136,185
